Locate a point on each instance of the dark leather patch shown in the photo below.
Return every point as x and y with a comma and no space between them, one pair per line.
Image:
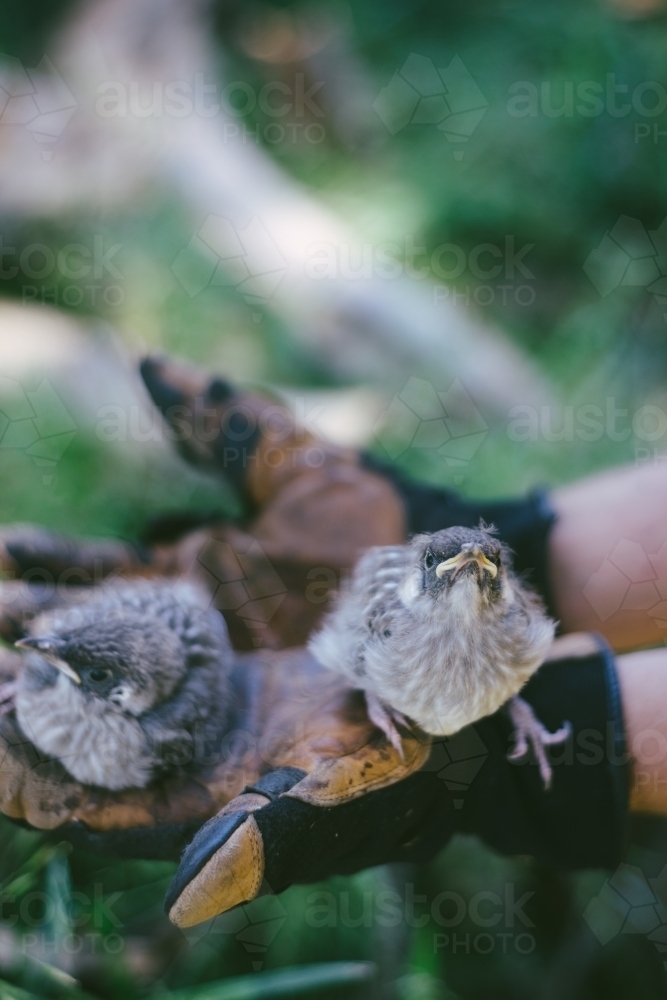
234,447
154,843
162,392
207,841
276,783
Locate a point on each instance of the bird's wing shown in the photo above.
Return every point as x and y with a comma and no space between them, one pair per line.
183,729
376,586
379,565
193,715
364,611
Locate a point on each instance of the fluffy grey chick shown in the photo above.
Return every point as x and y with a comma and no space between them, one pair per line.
128,685
441,632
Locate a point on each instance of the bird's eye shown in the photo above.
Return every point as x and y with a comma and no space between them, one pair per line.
99,674
429,561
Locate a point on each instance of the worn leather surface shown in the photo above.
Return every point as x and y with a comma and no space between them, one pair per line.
311,507
274,829
300,763
286,711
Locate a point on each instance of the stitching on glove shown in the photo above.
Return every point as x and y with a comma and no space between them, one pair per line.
349,777
275,783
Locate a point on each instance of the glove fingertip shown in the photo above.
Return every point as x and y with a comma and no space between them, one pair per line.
222,867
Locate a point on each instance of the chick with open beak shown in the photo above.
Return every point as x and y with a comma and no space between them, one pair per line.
470,555
440,632
461,555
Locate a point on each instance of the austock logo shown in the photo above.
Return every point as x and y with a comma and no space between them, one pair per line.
420,94
630,256
221,254
35,422
630,903
65,275
447,423
35,99
630,579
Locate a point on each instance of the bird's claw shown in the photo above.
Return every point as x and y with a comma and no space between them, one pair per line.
530,733
385,719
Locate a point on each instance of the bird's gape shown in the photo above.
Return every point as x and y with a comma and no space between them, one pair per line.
470,560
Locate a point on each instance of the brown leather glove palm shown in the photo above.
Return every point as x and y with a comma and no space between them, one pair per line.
297,736
301,786
352,811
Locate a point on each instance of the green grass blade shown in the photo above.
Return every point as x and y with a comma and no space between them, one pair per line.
10,992
281,982
58,926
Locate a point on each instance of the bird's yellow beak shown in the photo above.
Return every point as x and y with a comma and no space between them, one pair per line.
463,558
65,669
50,657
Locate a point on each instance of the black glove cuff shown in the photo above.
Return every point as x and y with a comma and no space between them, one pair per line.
582,821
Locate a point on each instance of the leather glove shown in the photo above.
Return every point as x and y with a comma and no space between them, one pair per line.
302,786
295,727
286,828
311,506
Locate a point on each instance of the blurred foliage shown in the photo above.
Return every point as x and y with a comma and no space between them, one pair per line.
557,183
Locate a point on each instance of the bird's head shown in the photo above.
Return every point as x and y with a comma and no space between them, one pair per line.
125,661
459,561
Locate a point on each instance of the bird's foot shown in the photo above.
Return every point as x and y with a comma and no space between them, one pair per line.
530,733
7,697
386,718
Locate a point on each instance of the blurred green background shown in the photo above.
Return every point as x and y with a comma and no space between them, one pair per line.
537,162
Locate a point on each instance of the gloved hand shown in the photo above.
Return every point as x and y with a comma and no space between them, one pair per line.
295,728
302,786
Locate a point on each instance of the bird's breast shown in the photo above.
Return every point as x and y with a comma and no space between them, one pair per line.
96,745
450,670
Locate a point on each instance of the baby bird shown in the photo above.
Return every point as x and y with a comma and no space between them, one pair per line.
441,632
128,685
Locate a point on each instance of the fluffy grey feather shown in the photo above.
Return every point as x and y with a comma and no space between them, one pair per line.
439,630
129,684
